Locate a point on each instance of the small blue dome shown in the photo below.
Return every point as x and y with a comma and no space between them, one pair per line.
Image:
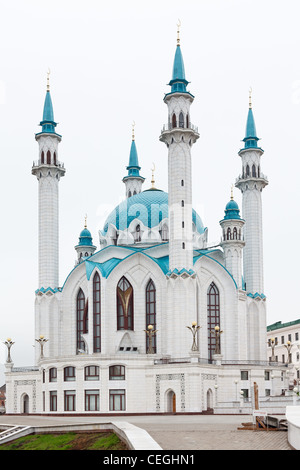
85,238
150,207
232,210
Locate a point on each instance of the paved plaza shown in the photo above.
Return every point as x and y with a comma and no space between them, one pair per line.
180,432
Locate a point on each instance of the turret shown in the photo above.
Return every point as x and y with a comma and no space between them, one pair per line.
133,180
251,183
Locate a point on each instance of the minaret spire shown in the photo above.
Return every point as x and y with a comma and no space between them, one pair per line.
133,181
251,184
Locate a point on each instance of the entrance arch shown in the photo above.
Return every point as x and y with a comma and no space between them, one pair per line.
170,401
25,403
209,400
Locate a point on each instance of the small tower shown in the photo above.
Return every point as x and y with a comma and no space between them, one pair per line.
133,181
85,247
251,183
48,171
232,240
179,135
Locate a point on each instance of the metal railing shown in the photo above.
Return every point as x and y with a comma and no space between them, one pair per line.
169,127
39,163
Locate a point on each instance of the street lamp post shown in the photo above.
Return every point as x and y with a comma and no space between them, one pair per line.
288,346
42,340
8,343
194,330
150,333
272,343
217,332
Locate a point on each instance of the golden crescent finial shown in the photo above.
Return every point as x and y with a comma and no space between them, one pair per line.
231,192
133,126
250,97
178,32
85,221
48,79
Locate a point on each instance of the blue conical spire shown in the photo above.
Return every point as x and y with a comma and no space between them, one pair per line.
48,124
178,82
250,137
133,166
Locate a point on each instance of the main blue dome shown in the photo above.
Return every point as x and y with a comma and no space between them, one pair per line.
150,207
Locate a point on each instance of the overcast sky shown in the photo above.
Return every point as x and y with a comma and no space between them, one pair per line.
110,64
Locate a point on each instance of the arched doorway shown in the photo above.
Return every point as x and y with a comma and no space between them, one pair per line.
209,400
171,402
25,403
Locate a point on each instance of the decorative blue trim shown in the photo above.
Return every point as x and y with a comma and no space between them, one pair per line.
49,289
256,295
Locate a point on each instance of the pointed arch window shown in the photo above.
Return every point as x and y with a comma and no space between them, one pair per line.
96,313
164,233
174,123
187,121
213,316
54,158
247,171
43,157
151,312
137,233
253,171
48,158
124,305
82,314
234,233
181,120
229,233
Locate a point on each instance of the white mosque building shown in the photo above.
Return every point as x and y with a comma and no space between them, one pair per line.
153,320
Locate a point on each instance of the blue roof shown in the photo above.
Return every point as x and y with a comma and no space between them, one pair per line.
178,82
250,137
85,238
232,210
150,207
48,124
133,167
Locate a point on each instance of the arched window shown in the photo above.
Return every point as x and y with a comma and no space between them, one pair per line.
187,121
174,124
129,193
253,170
97,313
258,171
164,232
54,158
183,245
151,312
234,233
182,203
134,193
213,316
42,157
81,319
247,171
229,233
181,120
137,233
48,158
124,305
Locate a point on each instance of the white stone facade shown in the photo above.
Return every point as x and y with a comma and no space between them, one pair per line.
97,357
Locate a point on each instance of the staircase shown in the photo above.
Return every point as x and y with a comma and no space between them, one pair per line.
14,432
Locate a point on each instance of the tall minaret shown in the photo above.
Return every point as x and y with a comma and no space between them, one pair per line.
179,135
133,181
251,184
48,171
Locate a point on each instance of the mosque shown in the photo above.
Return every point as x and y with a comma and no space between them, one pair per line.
154,320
